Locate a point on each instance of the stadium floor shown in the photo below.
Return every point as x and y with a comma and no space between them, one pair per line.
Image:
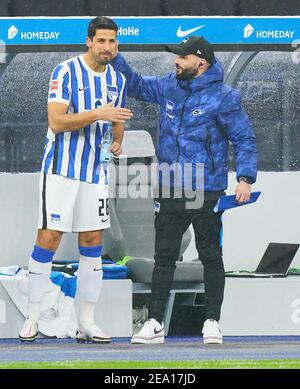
175,348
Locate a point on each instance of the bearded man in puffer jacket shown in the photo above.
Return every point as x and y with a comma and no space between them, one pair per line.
199,115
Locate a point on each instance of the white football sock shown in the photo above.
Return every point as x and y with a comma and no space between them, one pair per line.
39,279
89,282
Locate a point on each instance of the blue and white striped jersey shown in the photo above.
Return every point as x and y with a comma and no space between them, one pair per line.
77,154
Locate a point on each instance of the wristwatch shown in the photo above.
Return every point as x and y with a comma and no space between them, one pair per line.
246,179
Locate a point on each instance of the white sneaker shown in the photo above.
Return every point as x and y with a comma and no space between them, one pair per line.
211,332
29,330
151,332
92,333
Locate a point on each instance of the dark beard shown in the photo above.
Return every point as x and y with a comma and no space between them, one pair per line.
104,62
186,74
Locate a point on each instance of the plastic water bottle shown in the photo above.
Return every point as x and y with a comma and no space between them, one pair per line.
105,155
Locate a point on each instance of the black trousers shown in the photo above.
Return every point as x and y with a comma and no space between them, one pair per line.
171,222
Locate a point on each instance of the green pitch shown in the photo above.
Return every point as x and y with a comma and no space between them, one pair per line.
228,364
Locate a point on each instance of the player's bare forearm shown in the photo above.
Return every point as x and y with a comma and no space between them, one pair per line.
71,121
62,121
118,132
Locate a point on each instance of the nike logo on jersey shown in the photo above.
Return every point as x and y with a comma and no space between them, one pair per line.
182,34
31,272
81,89
104,220
97,269
158,331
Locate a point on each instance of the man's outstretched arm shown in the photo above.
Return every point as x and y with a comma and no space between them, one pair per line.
146,88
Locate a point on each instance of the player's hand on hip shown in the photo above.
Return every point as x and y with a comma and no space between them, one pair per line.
114,114
242,192
115,149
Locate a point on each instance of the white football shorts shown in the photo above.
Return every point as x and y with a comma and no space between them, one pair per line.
70,205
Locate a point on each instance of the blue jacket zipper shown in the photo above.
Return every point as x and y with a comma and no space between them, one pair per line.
181,119
208,149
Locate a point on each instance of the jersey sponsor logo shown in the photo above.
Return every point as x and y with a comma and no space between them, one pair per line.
182,34
54,85
104,219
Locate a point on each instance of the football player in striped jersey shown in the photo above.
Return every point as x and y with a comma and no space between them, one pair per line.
85,94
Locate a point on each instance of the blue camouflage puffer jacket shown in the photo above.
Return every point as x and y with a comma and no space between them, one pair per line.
197,119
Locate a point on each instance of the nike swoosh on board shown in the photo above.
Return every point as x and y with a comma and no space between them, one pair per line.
182,34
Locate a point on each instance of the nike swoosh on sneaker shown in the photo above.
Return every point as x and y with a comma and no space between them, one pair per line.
182,34
158,331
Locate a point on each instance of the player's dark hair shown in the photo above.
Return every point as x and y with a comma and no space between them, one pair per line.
101,22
